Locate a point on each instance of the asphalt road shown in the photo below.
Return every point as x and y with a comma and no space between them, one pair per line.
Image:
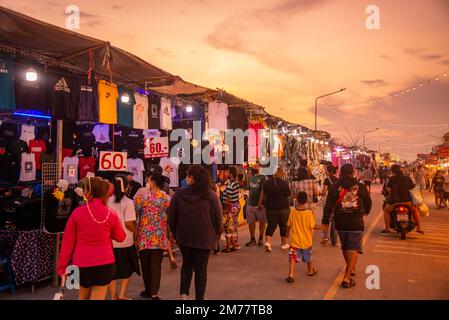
417,268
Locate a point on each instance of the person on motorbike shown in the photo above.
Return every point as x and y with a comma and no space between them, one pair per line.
400,185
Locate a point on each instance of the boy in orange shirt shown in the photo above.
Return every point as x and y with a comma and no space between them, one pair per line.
301,223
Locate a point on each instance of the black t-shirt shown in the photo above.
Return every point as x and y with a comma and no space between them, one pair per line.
330,181
30,94
237,119
154,106
87,99
402,185
61,96
277,193
133,187
438,182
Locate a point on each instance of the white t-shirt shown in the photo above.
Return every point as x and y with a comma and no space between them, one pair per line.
70,169
151,133
27,167
218,115
101,133
136,167
140,113
126,212
27,133
165,114
170,167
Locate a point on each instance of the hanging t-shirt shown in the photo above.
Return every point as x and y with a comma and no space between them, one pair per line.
101,133
36,148
70,169
61,96
29,94
154,121
136,167
140,115
27,133
255,140
171,167
27,167
107,100
165,114
134,140
88,99
218,115
86,164
125,105
7,99
151,133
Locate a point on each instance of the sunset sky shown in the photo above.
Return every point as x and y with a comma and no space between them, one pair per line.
281,54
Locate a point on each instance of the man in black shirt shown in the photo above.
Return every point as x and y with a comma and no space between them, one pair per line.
399,187
328,220
133,186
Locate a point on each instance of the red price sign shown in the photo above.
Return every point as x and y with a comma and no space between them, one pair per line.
156,147
113,161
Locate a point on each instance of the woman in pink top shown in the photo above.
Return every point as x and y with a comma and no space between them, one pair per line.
87,243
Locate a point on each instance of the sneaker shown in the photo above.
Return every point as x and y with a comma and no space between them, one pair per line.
251,243
285,247
183,297
267,247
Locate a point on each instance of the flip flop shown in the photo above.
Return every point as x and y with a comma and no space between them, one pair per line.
314,272
226,250
290,279
173,264
385,231
346,284
420,231
353,273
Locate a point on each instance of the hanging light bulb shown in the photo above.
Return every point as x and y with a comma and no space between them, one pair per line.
125,98
326,143
31,75
189,108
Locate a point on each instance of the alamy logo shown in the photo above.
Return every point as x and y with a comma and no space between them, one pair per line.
373,280
72,21
61,85
372,22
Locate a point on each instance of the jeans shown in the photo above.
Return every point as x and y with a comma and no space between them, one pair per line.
194,260
151,261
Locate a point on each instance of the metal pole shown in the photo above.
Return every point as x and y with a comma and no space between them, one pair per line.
316,112
59,131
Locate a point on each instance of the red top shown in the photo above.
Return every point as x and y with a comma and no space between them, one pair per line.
87,243
37,147
86,165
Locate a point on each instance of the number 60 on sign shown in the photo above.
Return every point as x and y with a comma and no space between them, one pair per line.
113,161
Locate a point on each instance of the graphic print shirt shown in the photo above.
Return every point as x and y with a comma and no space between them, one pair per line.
27,167
140,115
70,168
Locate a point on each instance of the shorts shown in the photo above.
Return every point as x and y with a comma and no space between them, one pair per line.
296,255
351,240
97,275
254,215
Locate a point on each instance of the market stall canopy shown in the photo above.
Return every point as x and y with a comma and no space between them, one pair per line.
21,32
177,86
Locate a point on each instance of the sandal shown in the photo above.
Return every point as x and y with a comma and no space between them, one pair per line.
290,279
173,264
226,250
353,273
314,272
385,231
346,284
420,231
324,241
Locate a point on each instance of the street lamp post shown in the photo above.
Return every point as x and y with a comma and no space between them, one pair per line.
365,133
316,103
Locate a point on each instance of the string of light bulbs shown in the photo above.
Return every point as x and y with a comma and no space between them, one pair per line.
390,123
442,76
420,134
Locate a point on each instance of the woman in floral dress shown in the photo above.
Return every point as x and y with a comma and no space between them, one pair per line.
152,232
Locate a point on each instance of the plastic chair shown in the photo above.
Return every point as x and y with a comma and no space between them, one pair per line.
9,285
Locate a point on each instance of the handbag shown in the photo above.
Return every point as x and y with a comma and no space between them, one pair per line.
392,197
416,196
423,210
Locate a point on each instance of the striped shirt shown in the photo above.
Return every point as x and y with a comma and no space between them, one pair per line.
232,192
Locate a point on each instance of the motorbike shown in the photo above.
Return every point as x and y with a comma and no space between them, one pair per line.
402,220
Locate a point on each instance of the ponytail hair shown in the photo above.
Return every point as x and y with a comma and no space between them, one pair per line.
120,186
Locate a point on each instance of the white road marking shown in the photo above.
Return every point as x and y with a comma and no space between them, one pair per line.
418,249
413,244
413,254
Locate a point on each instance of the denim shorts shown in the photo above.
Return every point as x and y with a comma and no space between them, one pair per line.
297,254
351,240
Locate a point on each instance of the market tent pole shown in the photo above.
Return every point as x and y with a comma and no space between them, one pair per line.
59,131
